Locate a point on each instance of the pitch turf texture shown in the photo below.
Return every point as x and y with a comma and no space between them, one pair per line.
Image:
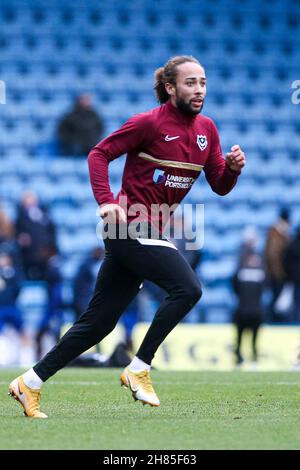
88,409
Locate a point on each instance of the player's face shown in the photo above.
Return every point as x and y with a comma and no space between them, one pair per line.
190,89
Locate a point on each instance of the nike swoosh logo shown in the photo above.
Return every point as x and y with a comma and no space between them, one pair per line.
133,389
21,393
167,138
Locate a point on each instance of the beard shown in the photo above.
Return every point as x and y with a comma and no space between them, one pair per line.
187,107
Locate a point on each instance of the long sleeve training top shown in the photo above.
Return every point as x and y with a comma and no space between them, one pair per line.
166,152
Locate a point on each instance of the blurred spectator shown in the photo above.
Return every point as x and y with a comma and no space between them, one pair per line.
277,241
249,242
292,268
52,318
7,231
10,286
8,243
80,129
248,284
35,234
84,280
129,319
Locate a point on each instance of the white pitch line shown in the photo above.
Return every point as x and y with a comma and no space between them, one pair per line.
115,382
159,382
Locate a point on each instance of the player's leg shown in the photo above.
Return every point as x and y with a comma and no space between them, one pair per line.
166,267
115,288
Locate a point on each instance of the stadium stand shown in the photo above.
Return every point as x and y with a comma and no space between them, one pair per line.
52,51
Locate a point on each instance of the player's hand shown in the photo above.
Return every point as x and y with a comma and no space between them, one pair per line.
112,213
236,159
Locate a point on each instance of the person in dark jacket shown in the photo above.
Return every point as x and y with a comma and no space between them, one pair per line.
248,284
292,268
8,242
85,279
80,129
277,241
10,286
35,233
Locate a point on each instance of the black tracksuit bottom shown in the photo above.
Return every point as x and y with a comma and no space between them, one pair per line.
126,264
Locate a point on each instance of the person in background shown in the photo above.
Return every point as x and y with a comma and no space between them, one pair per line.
85,279
7,231
277,241
249,242
129,319
292,268
35,233
10,286
80,129
248,284
51,320
84,282
8,243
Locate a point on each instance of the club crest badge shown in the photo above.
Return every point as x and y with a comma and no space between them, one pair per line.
159,176
202,142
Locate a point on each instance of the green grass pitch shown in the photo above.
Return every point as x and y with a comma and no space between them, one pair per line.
88,409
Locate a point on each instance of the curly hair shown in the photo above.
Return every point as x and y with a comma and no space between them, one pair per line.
167,74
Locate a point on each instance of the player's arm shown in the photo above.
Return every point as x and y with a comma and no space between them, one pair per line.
133,134
222,173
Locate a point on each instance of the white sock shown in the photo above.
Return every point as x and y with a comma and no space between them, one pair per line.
32,380
137,365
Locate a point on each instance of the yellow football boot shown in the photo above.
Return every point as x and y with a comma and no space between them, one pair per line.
139,383
29,398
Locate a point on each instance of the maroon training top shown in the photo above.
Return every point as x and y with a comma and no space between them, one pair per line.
166,151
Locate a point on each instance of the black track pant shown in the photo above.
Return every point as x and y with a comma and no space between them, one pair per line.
126,264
